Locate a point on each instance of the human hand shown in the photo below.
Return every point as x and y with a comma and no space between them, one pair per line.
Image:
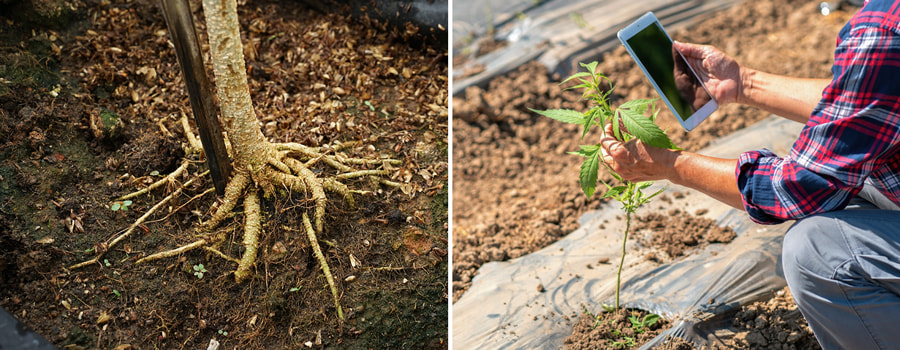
721,74
689,87
634,160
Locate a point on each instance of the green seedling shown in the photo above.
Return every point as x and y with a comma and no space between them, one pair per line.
223,333
295,289
120,205
627,342
634,123
640,325
199,270
106,262
116,292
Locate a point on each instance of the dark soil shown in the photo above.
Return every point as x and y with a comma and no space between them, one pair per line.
516,189
89,111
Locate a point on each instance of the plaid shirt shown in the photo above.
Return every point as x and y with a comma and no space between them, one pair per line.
853,134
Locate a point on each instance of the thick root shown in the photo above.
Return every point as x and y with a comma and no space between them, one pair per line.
238,182
314,242
285,169
251,237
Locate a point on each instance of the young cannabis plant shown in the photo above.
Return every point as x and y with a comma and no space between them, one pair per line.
632,121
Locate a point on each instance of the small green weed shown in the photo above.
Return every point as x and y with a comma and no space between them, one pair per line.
199,270
120,205
640,325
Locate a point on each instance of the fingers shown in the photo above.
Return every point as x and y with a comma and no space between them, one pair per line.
610,147
690,50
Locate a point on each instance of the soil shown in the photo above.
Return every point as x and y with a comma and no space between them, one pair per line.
90,103
775,323
516,189
613,330
678,233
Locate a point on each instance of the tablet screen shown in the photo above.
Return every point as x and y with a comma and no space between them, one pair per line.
669,70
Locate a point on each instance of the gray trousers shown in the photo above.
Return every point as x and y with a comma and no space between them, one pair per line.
843,269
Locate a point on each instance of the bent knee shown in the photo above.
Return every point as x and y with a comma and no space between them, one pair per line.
814,245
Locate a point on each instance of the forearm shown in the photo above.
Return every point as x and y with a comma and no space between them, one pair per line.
712,176
792,98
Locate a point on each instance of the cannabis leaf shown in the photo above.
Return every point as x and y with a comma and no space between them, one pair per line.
564,115
589,168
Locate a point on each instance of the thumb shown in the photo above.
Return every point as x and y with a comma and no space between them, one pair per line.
689,50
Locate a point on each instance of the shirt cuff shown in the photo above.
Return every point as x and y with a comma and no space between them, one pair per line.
754,179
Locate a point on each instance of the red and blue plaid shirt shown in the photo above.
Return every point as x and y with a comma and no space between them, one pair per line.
853,134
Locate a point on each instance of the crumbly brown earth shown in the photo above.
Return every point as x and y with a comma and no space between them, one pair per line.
89,111
774,323
516,189
613,330
678,233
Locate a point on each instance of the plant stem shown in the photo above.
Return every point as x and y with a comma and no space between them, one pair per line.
629,209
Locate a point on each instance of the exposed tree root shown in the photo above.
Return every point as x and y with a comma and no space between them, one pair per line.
314,242
259,166
289,169
252,218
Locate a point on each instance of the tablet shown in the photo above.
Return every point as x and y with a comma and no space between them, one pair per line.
674,79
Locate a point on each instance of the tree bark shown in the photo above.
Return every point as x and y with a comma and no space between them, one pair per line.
249,146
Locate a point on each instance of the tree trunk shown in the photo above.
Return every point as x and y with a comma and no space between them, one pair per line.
249,147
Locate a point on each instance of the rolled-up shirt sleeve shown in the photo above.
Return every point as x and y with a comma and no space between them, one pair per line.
776,189
852,133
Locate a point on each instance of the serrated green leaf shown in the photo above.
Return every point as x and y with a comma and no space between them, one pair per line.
586,151
604,117
638,105
576,75
591,67
589,169
615,191
583,85
590,119
588,123
563,115
644,129
616,122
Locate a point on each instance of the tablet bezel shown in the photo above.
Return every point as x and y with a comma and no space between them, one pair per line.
701,113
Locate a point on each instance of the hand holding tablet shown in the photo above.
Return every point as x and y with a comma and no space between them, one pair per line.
671,75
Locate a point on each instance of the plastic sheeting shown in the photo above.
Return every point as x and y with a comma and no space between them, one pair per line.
558,33
503,309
